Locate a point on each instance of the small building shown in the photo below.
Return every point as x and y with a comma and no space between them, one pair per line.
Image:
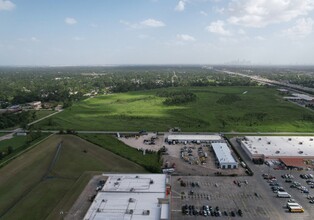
224,156
199,138
35,105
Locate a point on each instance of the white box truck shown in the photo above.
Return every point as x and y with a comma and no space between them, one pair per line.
283,195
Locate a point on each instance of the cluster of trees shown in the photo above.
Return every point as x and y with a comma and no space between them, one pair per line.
8,120
228,99
177,97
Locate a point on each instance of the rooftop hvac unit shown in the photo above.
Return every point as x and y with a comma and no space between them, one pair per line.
129,211
146,212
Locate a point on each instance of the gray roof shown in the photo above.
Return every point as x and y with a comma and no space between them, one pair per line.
223,153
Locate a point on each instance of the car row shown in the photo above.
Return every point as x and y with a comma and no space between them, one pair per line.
306,176
207,210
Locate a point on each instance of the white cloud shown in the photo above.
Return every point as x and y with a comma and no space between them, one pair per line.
6,5
93,25
260,38
34,39
260,13
70,21
152,23
77,38
31,39
143,36
185,37
203,13
143,24
302,28
180,6
218,27
241,31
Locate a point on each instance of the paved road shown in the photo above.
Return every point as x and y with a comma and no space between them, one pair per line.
48,116
204,133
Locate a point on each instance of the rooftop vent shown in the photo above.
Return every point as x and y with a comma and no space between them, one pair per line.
151,181
289,139
131,200
300,142
311,139
268,142
300,152
277,152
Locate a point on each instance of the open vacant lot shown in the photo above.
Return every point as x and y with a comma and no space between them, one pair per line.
215,109
48,179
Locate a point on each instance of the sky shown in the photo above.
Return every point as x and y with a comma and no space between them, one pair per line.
114,32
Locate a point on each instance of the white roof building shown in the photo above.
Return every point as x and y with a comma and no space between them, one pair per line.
224,156
131,197
193,137
274,147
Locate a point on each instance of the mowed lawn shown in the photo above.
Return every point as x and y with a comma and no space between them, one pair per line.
143,110
26,194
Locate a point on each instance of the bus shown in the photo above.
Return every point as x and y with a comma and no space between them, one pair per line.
296,209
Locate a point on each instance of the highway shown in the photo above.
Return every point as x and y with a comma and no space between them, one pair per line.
270,82
163,132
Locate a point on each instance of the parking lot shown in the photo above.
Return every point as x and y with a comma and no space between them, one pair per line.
296,186
229,194
279,204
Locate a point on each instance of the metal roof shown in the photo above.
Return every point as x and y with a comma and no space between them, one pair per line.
223,153
194,137
130,196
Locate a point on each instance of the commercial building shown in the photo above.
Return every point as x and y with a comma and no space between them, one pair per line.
200,138
276,147
224,156
132,197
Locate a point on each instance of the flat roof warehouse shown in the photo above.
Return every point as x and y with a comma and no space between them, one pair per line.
131,196
194,137
224,156
274,147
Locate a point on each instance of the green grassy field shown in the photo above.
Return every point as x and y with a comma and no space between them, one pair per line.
216,109
27,194
150,161
43,113
15,142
